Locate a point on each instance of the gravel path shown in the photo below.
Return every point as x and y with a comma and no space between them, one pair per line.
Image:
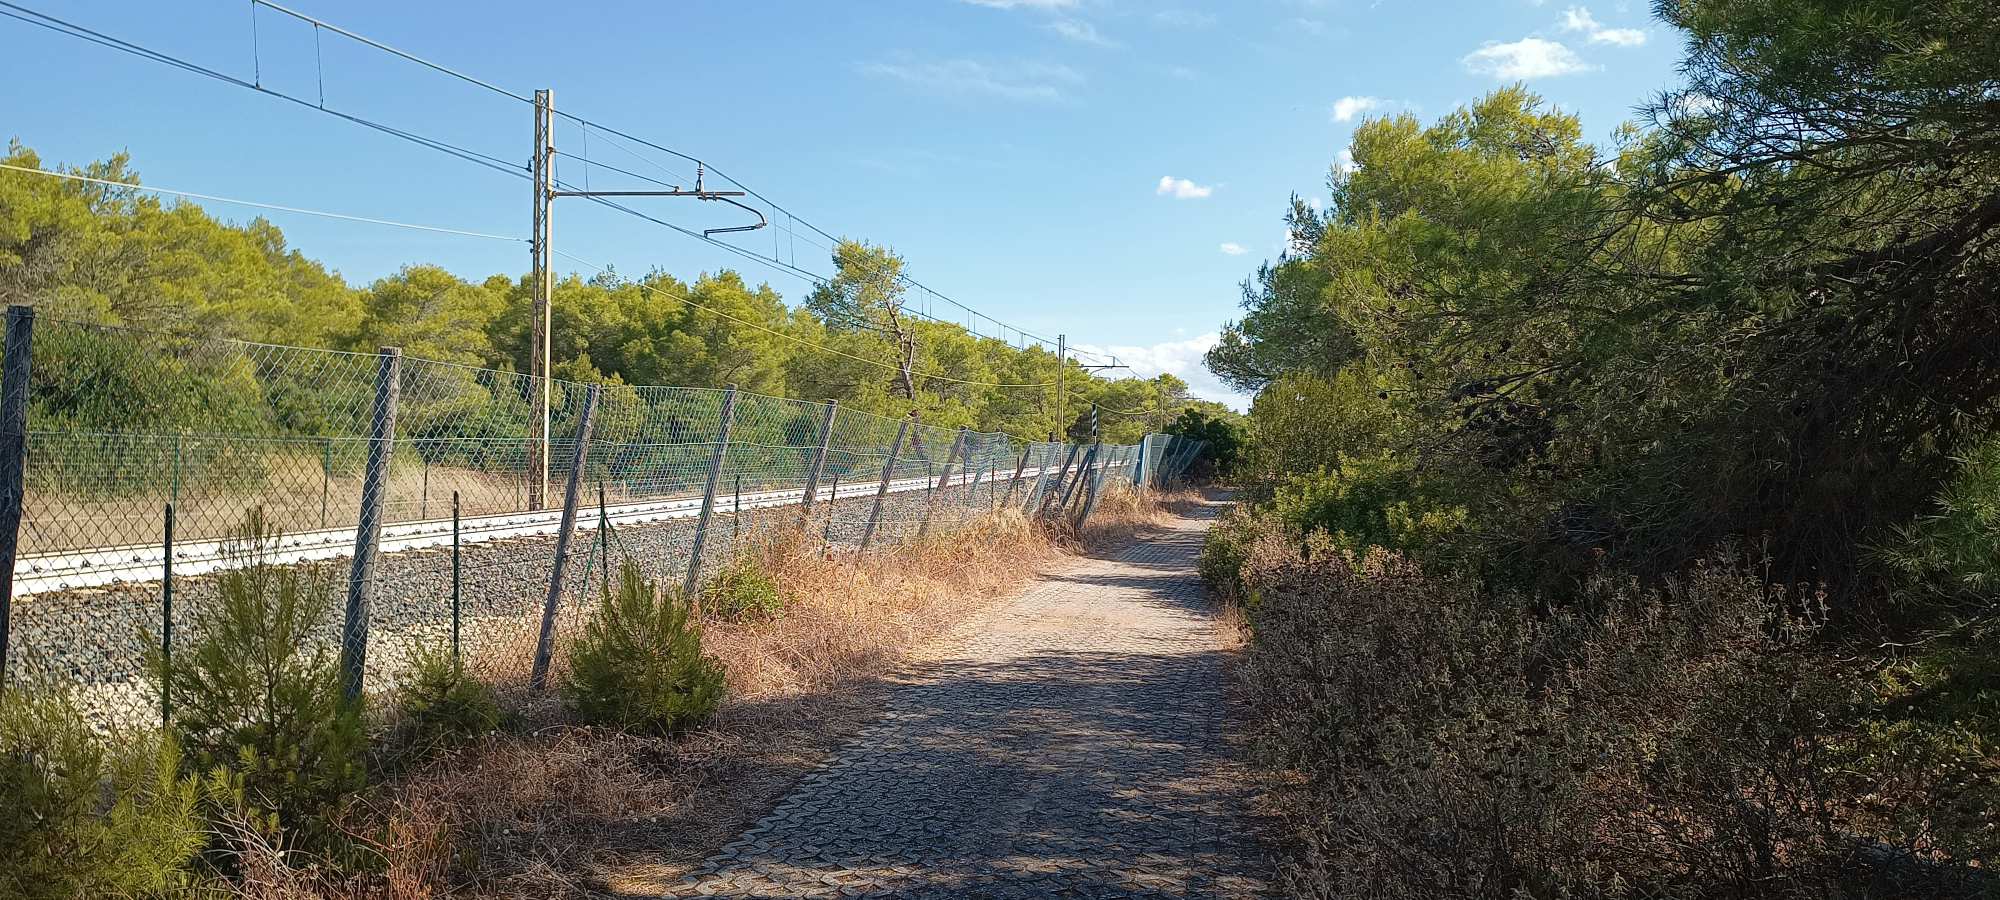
1070,743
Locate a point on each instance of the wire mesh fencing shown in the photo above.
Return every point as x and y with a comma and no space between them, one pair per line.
431,502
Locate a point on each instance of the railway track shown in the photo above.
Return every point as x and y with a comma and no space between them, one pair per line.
97,567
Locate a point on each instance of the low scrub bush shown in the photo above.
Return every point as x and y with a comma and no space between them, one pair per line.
258,703
1372,501
743,590
639,664
1227,546
1679,741
439,706
83,816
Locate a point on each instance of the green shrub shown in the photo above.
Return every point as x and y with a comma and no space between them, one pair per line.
440,706
1372,501
83,816
1953,552
258,701
639,663
1227,547
743,590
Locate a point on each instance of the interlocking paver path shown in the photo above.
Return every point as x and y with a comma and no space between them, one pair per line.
1069,744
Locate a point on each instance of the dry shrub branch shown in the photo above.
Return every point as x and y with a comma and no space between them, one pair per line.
569,810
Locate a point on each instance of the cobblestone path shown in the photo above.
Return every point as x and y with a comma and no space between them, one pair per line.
1069,744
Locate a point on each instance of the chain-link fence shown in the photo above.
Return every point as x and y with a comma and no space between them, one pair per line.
417,488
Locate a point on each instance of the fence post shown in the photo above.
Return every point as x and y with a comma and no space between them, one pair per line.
833,506
457,573
368,530
1090,495
545,643
1139,465
167,620
693,579
1082,471
818,464
325,476
888,472
1062,476
1019,467
944,479
15,372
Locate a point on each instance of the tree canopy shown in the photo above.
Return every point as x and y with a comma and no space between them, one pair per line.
119,256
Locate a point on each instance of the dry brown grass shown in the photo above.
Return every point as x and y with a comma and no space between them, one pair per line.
570,811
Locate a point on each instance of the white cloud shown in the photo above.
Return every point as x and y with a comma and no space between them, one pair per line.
1579,19
1622,37
1080,32
1020,80
1234,249
1526,58
1183,18
1180,358
1181,188
1343,165
1346,108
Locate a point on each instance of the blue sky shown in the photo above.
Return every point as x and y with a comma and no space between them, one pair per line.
1110,169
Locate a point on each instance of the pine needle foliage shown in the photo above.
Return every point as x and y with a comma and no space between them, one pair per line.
639,663
257,697
441,706
86,816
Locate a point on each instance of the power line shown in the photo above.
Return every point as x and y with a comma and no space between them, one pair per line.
794,338
71,29
70,176
792,217
61,26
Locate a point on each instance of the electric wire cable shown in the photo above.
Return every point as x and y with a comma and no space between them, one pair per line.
61,26
150,189
792,217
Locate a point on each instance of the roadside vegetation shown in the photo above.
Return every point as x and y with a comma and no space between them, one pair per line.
1623,518
672,723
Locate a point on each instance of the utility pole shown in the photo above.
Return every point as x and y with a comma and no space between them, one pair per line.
1062,354
544,275
544,284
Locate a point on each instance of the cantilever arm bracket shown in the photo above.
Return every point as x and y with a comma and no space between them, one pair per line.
699,193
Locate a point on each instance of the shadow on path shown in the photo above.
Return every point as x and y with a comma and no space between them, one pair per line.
1074,747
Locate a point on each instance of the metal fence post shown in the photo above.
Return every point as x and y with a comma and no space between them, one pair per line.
888,472
1139,465
818,464
457,573
167,620
1062,475
545,643
930,503
693,579
15,372
832,505
368,530
1090,494
1083,471
1019,467
325,477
